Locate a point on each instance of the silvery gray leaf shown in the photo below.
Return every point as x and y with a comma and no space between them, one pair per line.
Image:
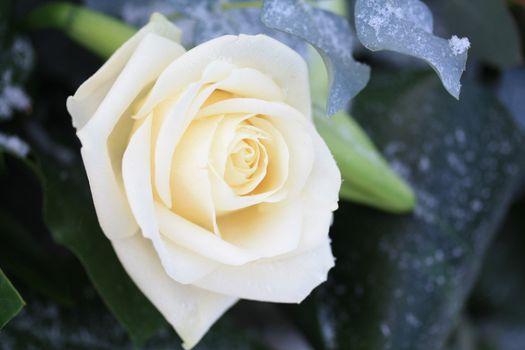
406,26
331,35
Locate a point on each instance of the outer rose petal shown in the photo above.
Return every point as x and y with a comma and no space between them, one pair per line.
135,66
286,279
282,64
190,310
90,94
320,195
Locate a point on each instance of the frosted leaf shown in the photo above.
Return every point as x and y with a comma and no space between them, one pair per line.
200,20
405,26
331,35
14,145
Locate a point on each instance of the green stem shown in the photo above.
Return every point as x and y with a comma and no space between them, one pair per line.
99,33
241,5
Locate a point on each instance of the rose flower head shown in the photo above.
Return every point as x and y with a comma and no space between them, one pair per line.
207,173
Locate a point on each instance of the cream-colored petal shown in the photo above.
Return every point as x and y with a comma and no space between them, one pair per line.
113,212
100,161
199,240
144,66
266,230
301,149
175,123
173,127
320,194
224,135
276,175
278,169
90,94
136,174
250,82
190,179
252,106
289,279
295,129
180,264
280,63
190,310
226,200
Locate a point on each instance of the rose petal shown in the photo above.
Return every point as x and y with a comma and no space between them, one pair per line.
199,240
176,121
190,179
289,279
225,198
190,310
295,129
268,56
223,137
320,195
266,230
252,83
182,265
102,162
87,98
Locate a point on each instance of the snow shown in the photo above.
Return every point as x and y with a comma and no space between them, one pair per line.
458,45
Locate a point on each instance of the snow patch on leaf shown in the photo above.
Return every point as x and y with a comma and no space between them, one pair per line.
458,45
406,26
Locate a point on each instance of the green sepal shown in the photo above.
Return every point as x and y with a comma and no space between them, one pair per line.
367,177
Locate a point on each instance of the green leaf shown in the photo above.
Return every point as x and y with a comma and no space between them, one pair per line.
501,286
489,26
495,316
76,227
23,257
27,254
400,282
10,301
70,216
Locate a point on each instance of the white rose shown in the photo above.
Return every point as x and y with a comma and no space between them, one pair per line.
207,173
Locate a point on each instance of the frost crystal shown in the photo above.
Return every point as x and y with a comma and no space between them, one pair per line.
14,144
405,26
458,45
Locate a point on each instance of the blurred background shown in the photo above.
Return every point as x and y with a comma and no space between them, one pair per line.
450,275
